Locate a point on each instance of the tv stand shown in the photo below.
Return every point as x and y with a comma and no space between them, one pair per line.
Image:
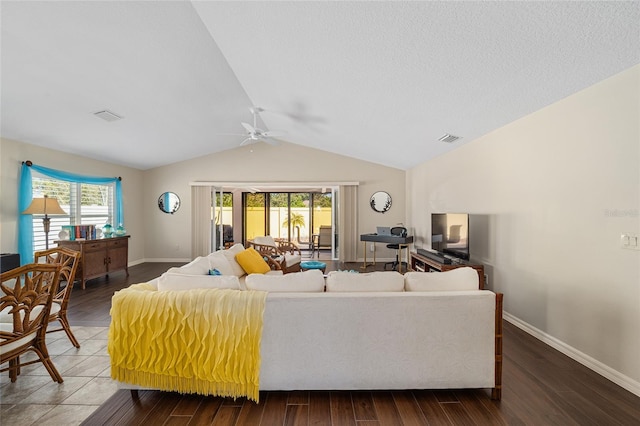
421,263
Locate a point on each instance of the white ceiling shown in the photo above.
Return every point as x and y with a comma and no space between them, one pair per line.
378,81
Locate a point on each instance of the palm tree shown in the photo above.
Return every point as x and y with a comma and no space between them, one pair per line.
296,220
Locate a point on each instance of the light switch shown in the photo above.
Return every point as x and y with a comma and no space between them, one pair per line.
629,241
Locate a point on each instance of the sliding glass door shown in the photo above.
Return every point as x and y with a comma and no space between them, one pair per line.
290,216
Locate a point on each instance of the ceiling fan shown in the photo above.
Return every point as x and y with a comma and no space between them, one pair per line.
254,133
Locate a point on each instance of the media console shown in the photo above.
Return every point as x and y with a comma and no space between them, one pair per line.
432,263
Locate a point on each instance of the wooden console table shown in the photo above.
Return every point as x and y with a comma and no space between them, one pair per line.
424,264
100,257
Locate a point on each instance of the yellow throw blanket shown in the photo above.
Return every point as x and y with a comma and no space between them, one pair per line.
195,341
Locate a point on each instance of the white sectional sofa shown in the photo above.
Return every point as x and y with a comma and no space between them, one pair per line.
380,330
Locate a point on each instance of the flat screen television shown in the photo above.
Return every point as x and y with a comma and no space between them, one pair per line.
450,234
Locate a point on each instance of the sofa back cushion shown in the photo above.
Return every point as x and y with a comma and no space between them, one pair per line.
230,254
217,260
179,282
198,266
296,282
370,281
464,278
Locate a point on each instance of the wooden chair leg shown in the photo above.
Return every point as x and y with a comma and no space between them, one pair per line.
67,329
43,354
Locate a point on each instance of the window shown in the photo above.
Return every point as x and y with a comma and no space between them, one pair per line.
86,204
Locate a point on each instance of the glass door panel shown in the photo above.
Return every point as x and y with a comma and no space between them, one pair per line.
255,215
223,216
298,220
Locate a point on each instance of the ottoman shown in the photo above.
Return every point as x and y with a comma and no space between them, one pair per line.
313,264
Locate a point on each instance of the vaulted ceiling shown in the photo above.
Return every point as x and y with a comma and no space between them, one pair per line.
377,81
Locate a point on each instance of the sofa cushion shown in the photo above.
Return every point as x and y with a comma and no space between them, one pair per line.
230,254
198,266
266,240
217,260
252,262
169,281
370,281
465,278
311,281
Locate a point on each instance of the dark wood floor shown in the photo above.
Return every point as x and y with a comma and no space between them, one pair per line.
541,386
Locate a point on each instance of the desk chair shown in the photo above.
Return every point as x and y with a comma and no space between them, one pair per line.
399,231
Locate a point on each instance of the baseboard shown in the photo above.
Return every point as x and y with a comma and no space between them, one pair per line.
584,359
165,260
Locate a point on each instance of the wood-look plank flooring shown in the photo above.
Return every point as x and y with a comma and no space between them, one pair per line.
541,386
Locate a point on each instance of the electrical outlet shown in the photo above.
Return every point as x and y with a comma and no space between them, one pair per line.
372,247
486,280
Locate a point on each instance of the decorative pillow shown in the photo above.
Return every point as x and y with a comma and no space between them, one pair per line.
252,262
169,281
371,281
217,260
230,254
198,266
214,271
465,278
311,281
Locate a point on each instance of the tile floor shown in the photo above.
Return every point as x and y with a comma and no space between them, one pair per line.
36,399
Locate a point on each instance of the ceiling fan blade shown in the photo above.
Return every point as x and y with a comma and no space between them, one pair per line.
248,127
244,142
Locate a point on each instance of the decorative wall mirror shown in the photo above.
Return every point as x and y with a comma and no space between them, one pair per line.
169,202
380,201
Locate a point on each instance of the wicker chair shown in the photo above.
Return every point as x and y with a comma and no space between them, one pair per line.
68,260
283,252
27,295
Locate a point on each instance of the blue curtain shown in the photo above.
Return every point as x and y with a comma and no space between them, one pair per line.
25,195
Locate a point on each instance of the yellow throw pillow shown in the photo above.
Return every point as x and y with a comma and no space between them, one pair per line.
252,262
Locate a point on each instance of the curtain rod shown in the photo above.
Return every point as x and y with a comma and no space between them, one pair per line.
29,164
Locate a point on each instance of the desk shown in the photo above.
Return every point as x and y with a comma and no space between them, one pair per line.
403,242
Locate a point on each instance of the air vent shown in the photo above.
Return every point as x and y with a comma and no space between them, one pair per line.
107,115
448,138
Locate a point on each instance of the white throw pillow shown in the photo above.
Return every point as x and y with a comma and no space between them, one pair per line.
217,260
464,278
370,281
198,266
267,240
311,281
168,282
230,254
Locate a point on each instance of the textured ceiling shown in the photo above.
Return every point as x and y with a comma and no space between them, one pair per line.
378,81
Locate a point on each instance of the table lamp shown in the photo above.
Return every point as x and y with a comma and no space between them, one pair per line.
45,206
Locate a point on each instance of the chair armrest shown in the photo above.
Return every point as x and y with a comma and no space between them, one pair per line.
287,246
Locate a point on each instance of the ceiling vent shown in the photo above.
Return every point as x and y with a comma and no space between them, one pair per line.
107,115
448,138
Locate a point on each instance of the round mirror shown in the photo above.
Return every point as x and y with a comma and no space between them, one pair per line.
169,202
380,201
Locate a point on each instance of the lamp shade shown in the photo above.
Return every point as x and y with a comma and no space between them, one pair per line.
44,206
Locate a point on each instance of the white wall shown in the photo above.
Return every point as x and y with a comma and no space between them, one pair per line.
551,194
13,153
168,236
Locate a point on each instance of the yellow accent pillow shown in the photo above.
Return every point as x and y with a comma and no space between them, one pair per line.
252,262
